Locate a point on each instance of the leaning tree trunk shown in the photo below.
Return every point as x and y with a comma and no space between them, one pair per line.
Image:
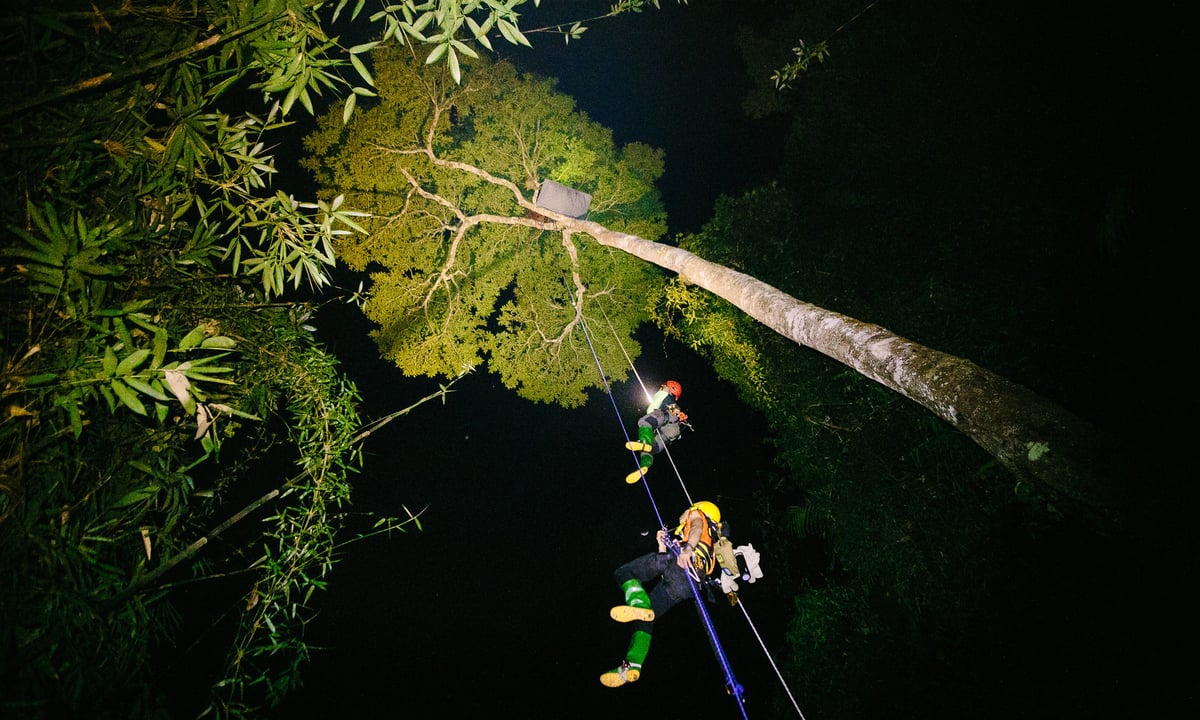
1037,440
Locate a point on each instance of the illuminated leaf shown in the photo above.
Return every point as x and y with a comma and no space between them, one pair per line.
127,397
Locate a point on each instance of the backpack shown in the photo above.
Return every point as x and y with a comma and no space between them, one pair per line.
670,431
733,563
723,547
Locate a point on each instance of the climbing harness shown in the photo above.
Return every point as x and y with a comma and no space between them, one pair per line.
748,564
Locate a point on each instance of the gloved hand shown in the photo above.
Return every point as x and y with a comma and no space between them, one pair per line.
728,584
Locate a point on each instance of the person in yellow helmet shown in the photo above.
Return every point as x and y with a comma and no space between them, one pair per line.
659,426
684,554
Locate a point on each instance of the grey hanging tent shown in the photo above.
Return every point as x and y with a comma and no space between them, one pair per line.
563,200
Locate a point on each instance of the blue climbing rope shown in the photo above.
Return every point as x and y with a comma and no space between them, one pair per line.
732,686
608,391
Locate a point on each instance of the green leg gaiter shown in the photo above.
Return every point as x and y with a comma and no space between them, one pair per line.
635,595
646,435
639,645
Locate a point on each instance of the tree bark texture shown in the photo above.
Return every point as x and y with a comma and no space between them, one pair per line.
1034,438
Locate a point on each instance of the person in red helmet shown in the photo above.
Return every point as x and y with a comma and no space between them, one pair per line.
661,425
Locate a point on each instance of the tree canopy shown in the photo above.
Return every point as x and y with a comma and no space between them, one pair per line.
461,270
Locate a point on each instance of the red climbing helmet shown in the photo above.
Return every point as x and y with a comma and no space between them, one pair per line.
674,388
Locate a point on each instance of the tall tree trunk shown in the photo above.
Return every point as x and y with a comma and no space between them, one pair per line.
1037,440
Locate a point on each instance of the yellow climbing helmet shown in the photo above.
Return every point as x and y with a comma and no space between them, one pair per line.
711,511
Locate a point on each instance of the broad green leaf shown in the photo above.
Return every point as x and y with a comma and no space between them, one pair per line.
145,388
132,361
363,72
73,414
109,362
219,342
437,54
455,71
464,49
193,338
127,397
160,349
39,379
138,496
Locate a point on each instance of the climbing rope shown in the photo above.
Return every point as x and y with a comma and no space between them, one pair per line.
666,450
612,398
731,684
742,604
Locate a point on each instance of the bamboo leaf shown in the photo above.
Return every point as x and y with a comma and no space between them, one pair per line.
203,421
436,54
192,339
145,388
160,348
132,361
137,496
109,363
464,48
220,407
39,379
363,72
127,397
455,70
178,384
71,404
219,342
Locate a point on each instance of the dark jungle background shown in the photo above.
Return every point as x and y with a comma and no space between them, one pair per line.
996,180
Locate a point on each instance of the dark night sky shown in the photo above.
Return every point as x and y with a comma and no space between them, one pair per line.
499,606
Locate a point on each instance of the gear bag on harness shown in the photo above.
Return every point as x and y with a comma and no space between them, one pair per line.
733,563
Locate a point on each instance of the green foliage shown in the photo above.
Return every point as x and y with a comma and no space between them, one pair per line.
150,365
140,351
805,55
716,328
449,28
462,271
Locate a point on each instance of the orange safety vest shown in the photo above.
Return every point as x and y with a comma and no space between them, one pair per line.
703,558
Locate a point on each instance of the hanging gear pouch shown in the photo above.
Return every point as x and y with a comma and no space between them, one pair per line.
725,556
670,431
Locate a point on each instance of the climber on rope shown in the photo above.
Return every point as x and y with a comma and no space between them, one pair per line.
683,555
660,426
